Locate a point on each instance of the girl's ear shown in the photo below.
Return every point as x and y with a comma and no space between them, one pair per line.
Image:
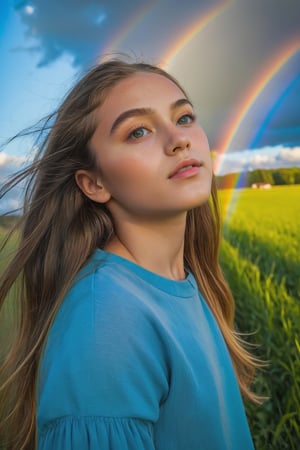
91,185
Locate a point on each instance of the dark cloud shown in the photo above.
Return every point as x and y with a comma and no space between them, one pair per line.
281,124
80,28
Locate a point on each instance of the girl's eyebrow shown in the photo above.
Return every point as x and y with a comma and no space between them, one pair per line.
144,112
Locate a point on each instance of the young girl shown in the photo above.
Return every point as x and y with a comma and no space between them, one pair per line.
125,337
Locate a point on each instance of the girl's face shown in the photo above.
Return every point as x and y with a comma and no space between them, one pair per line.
153,157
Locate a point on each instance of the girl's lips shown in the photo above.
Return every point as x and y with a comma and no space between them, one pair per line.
187,172
186,168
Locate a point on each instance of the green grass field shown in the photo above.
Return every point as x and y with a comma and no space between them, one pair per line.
261,259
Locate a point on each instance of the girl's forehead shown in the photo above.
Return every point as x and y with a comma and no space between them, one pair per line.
139,88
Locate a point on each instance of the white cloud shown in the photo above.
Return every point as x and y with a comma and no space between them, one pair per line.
10,164
8,160
263,158
290,155
10,204
29,10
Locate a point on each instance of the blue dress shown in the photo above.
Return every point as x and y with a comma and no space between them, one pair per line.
136,361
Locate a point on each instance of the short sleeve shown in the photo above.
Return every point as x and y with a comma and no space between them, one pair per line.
95,433
104,373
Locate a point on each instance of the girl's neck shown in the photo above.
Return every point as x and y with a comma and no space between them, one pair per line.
157,247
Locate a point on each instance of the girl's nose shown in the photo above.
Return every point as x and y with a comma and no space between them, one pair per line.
178,141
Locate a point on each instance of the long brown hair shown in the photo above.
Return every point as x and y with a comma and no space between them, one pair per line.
61,228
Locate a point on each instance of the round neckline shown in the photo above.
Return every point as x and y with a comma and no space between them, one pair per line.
178,288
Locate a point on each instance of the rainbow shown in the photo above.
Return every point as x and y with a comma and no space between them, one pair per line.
194,29
269,71
275,64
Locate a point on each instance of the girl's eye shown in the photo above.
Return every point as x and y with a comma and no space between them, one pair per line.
186,119
138,133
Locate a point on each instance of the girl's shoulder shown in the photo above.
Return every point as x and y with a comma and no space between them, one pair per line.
104,290
103,280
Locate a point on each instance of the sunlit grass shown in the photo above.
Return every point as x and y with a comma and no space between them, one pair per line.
261,259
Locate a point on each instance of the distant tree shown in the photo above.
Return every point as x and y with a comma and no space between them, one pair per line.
252,177
297,175
7,221
259,176
284,176
277,176
268,176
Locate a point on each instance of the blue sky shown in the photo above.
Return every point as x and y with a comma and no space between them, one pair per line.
46,45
